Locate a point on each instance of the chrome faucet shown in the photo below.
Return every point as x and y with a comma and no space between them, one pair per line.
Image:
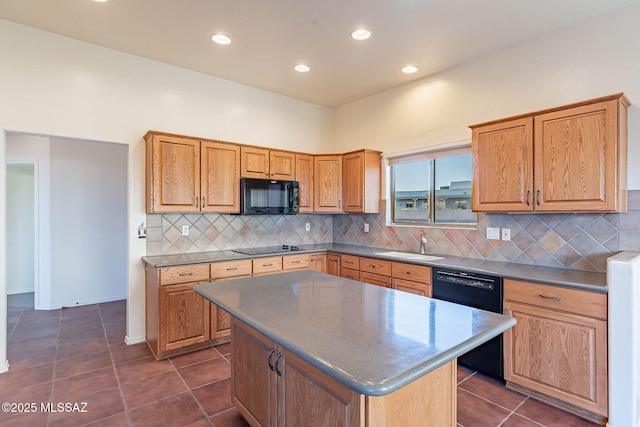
423,242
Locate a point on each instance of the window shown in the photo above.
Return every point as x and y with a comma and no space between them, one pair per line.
432,188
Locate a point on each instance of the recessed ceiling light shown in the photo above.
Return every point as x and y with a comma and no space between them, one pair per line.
409,69
100,1
301,68
361,34
220,39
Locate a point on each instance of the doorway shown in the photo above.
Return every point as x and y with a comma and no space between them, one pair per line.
22,262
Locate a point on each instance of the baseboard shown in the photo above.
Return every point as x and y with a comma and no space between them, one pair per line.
134,340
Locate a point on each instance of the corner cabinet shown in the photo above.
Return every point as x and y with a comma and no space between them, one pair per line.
558,349
361,187
327,195
566,159
191,175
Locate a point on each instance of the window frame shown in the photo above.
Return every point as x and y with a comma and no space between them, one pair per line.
425,156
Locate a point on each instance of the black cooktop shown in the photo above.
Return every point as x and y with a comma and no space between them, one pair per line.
267,250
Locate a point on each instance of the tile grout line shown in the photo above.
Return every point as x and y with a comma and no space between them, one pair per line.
115,371
520,415
193,396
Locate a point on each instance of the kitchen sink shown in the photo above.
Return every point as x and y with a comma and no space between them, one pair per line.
410,255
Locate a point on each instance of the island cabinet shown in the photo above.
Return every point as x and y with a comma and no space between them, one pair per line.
191,175
220,319
557,351
304,176
176,317
270,386
361,187
327,192
263,163
566,159
412,278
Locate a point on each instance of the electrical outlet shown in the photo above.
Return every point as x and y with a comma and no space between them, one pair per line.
493,233
307,226
506,234
185,230
366,227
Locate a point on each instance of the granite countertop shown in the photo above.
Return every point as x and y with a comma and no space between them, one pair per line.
587,280
372,339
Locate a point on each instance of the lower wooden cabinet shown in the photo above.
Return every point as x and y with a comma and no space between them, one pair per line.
272,387
220,319
176,317
415,279
558,348
333,264
318,262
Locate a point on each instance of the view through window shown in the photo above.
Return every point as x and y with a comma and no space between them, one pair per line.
432,191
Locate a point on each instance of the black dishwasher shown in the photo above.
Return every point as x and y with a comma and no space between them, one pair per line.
478,291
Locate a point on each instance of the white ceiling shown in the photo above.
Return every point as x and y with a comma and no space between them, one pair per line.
271,36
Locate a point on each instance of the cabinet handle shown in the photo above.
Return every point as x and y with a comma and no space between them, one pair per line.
551,298
232,268
295,262
408,273
185,274
538,198
203,202
348,262
267,265
276,364
527,198
373,266
197,202
269,359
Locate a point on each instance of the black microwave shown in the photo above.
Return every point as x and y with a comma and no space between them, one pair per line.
268,197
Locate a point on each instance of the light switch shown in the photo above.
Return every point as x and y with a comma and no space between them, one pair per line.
307,226
506,234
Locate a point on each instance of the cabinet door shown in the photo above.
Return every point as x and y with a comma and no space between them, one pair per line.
328,183
282,165
318,262
503,166
333,264
253,383
304,176
307,396
576,153
375,279
220,177
411,287
558,354
353,182
348,273
254,162
184,316
173,174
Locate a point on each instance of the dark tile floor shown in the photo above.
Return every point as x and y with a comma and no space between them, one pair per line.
77,355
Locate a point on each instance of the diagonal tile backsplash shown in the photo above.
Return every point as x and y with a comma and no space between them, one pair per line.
578,241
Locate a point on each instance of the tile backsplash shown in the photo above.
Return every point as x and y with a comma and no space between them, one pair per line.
576,241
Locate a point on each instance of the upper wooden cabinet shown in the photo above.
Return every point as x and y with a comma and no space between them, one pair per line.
571,158
361,187
189,175
327,196
267,164
304,176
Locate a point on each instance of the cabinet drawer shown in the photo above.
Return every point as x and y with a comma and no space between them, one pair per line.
184,274
411,287
295,262
416,273
221,270
348,273
267,265
377,266
375,279
586,303
350,261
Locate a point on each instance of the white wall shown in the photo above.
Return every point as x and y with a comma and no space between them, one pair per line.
593,58
33,148
21,216
52,85
88,222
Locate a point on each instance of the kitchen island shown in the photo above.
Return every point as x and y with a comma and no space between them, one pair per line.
313,349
